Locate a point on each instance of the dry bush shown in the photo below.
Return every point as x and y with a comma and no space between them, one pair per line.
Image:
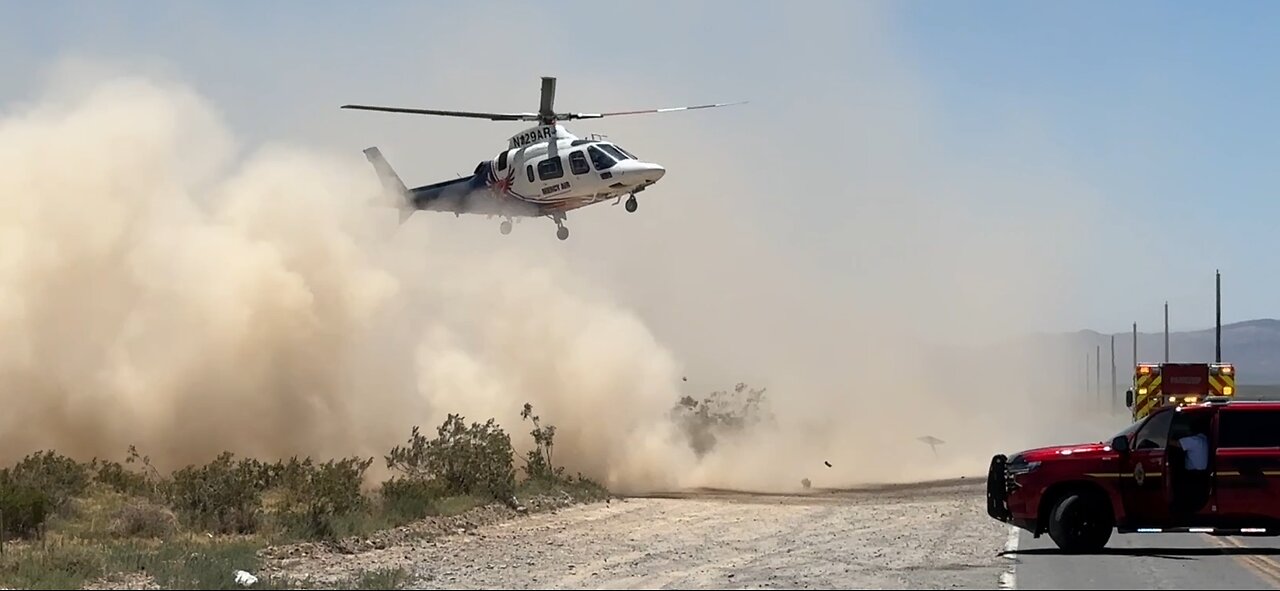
60,478
316,496
720,413
406,499
39,485
463,459
464,464
146,482
222,496
144,518
538,464
119,478
23,508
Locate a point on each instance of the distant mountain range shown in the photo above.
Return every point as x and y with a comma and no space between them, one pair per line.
1253,346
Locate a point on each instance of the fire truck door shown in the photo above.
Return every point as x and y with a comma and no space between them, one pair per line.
1248,463
1144,475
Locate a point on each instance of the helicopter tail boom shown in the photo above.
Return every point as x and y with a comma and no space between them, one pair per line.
391,182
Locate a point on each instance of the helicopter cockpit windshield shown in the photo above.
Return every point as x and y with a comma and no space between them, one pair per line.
604,155
617,152
600,159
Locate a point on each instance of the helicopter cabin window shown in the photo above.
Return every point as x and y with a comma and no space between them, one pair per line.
551,168
502,160
629,154
529,169
578,162
613,152
601,160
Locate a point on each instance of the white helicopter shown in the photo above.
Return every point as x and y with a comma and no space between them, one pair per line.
545,170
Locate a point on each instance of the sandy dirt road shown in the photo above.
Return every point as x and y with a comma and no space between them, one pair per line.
931,536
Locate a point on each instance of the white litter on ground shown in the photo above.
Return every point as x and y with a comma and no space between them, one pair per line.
245,579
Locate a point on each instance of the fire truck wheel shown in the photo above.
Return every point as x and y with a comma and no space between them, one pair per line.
1080,523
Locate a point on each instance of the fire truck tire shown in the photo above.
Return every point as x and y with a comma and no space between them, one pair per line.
1079,523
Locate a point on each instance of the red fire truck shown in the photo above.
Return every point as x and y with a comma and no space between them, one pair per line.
1165,384
1140,480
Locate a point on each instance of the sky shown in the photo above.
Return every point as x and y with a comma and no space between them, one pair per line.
1132,140
1161,106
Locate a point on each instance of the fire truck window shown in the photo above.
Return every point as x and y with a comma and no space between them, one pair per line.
1186,424
1155,434
578,163
1248,428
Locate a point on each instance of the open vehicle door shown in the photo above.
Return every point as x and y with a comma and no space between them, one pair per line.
1144,477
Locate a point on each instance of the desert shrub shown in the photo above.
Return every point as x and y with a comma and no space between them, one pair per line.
407,499
335,486
413,460
144,518
119,478
720,413
538,463
381,578
288,476
463,459
316,495
23,509
60,478
224,496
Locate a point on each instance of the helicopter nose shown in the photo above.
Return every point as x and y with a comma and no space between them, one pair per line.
652,172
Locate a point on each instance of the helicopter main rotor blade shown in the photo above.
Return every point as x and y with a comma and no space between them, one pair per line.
643,111
547,108
468,114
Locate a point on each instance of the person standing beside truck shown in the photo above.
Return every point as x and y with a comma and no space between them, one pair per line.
1189,435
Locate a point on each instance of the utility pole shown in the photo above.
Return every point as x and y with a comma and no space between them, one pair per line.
1068,389
1217,332
1097,374
1088,388
1133,369
1113,374
1166,331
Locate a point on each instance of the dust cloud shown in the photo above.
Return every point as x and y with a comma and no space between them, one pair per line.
158,291
163,286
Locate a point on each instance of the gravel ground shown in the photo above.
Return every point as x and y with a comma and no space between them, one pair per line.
924,536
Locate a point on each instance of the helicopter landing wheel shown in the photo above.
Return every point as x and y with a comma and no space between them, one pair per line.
632,204
505,228
562,233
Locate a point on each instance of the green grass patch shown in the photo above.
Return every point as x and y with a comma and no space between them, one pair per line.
63,563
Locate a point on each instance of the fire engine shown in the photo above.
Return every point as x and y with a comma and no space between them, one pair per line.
1157,385
1211,467
1177,384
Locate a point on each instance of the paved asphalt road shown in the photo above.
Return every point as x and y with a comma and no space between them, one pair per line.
1150,561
